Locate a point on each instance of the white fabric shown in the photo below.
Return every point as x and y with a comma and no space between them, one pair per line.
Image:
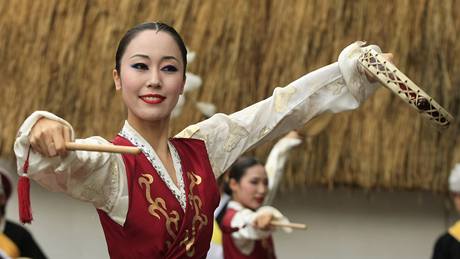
224,199
454,179
349,67
275,165
216,251
207,109
100,178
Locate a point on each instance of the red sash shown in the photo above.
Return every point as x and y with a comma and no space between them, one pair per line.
263,248
156,226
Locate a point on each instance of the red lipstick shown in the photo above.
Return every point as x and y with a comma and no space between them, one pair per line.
260,199
152,98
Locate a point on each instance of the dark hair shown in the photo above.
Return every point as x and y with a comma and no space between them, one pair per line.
156,26
238,170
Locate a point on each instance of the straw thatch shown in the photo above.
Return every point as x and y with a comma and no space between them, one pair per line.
58,56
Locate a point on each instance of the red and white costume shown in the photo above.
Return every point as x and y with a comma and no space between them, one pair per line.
240,239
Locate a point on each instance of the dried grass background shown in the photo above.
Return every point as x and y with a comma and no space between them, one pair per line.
58,56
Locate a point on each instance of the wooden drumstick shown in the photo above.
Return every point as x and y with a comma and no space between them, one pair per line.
102,148
289,225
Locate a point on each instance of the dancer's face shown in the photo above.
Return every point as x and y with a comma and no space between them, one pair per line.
252,188
151,77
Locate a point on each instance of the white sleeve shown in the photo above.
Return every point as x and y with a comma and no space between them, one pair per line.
335,88
275,164
94,177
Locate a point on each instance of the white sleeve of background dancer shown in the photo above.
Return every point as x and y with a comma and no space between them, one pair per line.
94,177
275,164
337,87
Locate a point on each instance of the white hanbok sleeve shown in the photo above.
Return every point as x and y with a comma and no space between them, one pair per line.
275,164
94,177
334,88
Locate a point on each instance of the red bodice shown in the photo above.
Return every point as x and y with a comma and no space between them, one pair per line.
156,226
263,248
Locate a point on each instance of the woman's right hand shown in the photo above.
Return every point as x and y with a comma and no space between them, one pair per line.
263,220
48,137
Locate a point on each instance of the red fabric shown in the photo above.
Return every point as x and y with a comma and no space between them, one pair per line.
25,210
145,233
262,249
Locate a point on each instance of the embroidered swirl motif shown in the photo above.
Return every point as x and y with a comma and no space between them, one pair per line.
199,220
159,205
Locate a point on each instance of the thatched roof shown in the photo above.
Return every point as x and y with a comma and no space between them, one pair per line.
58,56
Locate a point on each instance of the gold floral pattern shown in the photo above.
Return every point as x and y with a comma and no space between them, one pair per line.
236,134
188,132
157,208
199,219
282,97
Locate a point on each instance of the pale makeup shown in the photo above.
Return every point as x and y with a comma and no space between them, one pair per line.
151,78
252,188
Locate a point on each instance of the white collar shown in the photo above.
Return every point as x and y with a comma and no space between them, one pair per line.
235,205
136,139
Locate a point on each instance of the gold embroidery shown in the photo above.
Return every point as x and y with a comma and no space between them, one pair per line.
198,218
188,132
236,133
264,132
282,98
336,87
159,205
188,242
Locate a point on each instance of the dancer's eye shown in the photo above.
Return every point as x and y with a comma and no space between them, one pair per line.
140,66
169,68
